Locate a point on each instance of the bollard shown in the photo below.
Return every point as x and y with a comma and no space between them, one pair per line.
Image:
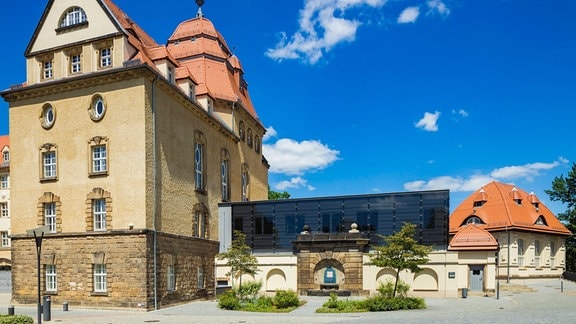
11,310
65,306
47,308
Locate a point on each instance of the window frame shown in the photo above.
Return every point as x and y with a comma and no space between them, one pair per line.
4,181
171,277
48,116
48,162
100,278
200,283
105,57
51,278
47,70
4,210
5,239
73,16
6,156
99,214
75,63
521,252
50,216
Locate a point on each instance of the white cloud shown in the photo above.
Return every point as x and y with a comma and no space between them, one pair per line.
429,121
461,112
270,132
474,182
437,6
323,25
294,183
409,15
290,157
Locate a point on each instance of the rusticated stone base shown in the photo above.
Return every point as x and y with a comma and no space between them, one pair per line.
131,270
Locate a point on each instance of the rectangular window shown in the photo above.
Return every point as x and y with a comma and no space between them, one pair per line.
49,163
199,224
99,210
99,159
200,277
170,74
198,166
6,156
47,70
224,188
4,212
244,186
4,181
51,282
75,64
100,278
171,278
520,252
5,239
50,216
105,57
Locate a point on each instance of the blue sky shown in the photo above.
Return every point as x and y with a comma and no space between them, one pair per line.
366,96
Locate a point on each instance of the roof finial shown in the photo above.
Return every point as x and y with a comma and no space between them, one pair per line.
199,3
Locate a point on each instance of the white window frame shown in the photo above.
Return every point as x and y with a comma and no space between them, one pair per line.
74,16
50,216
4,181
47,70
99,158
225,176
6,156
520,252
5,239
552,255
51,277
49,164
75,63
171,277
106,57
99,212
199,165
100,278
4,210
537,252
200,278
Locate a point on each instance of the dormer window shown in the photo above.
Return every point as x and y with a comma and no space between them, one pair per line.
170,75
473,220
541,221
6,156
479,203
74,16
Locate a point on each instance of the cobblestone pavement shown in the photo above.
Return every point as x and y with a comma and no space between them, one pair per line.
529,301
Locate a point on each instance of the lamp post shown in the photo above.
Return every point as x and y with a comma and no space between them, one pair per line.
38,235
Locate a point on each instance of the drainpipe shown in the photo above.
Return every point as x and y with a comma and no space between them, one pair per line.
154,242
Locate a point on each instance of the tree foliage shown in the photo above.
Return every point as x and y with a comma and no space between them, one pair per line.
564,191
401,252
274,195
239,258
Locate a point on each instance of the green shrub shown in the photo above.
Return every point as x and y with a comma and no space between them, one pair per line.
381,303
334,305
260,304
229,300
387,289
16,319
286,299
249,290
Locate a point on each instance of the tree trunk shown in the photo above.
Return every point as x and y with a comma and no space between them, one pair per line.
396,283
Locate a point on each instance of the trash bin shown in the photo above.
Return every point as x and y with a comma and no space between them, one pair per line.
464,292
47,309
65,306
11,310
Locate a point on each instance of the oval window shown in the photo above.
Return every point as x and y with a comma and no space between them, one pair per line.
98,108
48,116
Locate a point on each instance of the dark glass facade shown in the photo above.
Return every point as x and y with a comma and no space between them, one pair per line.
272,225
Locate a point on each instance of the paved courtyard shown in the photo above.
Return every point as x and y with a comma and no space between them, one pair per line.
530,301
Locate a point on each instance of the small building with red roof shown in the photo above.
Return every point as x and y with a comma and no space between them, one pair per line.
5,232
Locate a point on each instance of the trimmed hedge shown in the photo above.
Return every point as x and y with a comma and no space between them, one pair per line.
16,319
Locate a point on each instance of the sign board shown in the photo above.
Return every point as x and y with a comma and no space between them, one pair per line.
39,230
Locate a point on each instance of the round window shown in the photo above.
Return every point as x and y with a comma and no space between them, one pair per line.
98,108
48,116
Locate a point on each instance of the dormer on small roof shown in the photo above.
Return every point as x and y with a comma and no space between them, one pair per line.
515,194
533,199
480,198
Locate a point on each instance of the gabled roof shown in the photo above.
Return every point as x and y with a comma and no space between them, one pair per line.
4,143
502,206
472,237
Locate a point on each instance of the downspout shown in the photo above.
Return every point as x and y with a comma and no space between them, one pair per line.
154,175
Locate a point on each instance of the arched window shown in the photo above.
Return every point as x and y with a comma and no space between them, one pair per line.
249,140
241,131
73,16
473,220
541,221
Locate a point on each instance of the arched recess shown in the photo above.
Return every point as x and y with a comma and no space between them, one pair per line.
385,275
427,279
275,280
336,265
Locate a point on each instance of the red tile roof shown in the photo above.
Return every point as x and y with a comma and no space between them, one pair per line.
472,237
505,207
4,142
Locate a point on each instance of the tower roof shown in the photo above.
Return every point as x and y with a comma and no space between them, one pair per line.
499,206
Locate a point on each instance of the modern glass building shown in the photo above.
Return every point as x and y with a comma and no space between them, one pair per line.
272,225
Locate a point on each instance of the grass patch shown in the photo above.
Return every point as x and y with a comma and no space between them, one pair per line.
373,304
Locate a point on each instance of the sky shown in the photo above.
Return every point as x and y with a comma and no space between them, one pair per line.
373,96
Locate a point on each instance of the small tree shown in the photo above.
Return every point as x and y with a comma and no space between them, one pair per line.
564,190
401,252
274,195
239,258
